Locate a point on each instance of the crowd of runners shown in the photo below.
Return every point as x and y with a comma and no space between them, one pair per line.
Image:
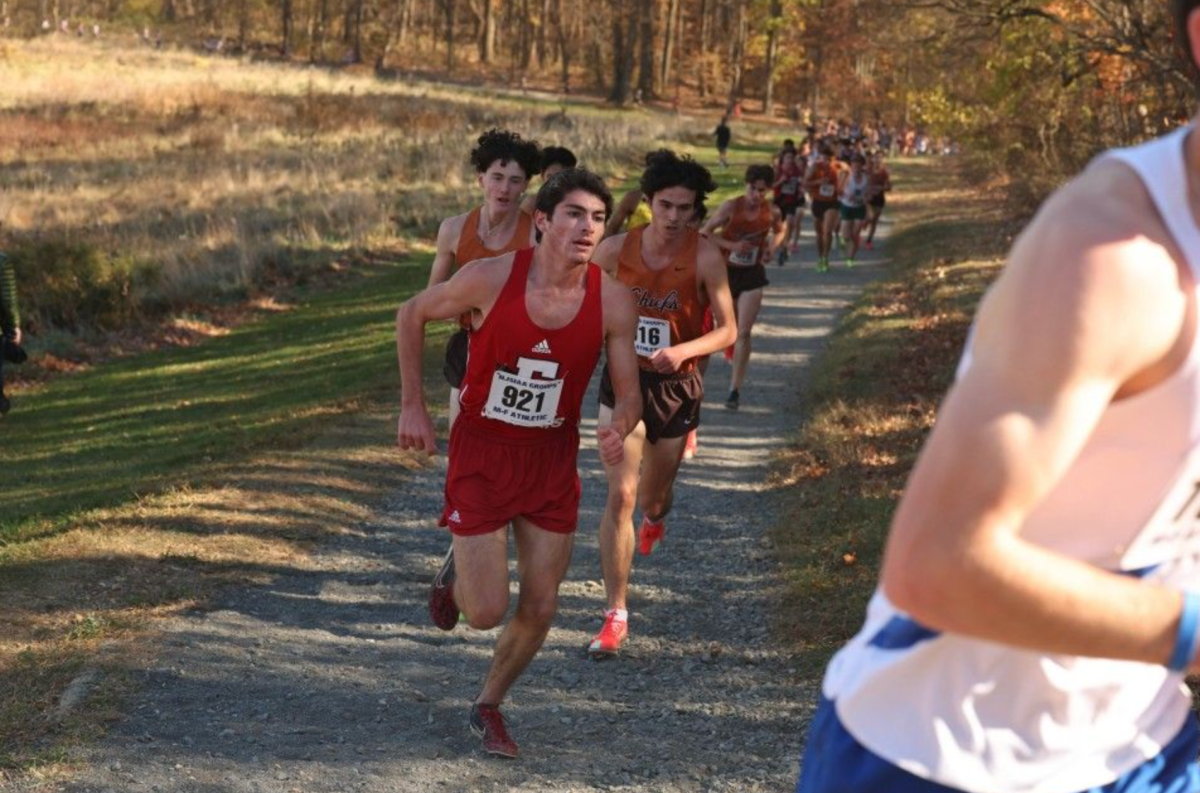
1037,608
540,286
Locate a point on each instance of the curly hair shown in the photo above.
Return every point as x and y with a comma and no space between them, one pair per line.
665,168
505,146
1180,11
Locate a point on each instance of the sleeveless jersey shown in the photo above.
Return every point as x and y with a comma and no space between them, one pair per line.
787,186
824,175
982,716
756,229
854,194
522,379
470,247
668,300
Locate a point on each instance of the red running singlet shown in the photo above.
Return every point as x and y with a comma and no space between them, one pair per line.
523,379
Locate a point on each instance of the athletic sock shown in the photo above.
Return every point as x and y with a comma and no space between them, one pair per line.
620,615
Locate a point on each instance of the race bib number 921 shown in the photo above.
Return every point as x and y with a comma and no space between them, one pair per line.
522,400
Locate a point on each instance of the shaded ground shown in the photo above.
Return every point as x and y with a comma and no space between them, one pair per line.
330,678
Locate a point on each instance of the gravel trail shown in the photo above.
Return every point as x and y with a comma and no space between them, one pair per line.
332,679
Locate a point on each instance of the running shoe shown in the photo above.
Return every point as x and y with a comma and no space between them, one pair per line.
780,257
689,446
733,401
850,262
822,265
488,723
869,245
649,535
607,642
442,608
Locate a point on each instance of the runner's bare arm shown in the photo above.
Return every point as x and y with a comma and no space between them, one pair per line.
447,243
1088,309
718,220
778,229
714,280
621,213
473,288
607,252
529,203
620,329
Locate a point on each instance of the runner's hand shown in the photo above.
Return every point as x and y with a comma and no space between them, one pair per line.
667,360
415,431
745,246
16,336
612,445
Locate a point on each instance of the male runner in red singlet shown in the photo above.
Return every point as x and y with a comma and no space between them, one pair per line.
751,230
539,318
789,197
503,162
674,274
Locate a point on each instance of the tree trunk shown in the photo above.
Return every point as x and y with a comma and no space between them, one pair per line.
358,20
664,74
285,45
705,35
624,43
487,42
243,23
646,74
774,25
737,52
564,50
449,36
543,23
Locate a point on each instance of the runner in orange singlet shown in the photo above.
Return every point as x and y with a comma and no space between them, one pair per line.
674,274
751,230
503,162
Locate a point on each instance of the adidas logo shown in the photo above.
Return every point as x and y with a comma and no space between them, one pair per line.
455,517
543,347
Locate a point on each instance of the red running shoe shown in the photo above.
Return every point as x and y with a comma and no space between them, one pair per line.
488,723
649,535
608,641
442,608
689,446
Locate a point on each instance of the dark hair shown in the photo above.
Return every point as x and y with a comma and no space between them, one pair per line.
665,168
788,143
757,173
1180,11
505,146
566,181
699,212
557,155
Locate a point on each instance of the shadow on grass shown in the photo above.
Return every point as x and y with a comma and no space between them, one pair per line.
116,433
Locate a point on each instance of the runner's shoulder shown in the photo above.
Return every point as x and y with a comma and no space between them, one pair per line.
493,270
609,249
451,229
1106,207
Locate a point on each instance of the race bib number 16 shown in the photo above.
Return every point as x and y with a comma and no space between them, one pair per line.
652,335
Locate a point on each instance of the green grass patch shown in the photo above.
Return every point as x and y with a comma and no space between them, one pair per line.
132,427
873,398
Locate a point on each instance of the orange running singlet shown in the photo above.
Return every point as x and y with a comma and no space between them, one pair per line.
668,300
470,247
755,229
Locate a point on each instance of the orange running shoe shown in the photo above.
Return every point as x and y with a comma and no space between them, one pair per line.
689,446
650,534
607,642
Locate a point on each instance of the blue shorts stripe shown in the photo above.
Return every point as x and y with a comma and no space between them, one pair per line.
900,633
834,762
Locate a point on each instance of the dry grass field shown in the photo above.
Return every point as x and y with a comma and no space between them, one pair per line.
179,179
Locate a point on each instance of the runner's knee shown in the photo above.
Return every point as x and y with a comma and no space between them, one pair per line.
621,498
487,614
539,609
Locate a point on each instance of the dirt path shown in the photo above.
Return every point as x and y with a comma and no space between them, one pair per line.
334,680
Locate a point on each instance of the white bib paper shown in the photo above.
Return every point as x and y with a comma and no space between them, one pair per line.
522,401
748,259
652,335
827,191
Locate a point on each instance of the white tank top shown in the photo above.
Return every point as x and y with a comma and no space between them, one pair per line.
987,717
855,193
